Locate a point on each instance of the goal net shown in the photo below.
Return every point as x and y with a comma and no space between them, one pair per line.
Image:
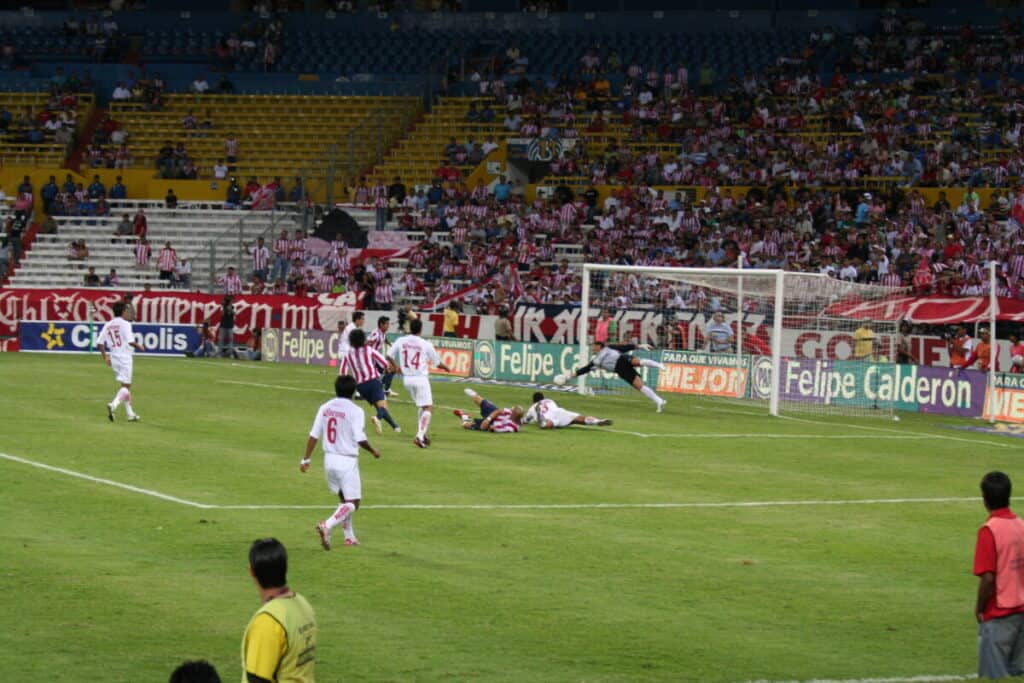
795,341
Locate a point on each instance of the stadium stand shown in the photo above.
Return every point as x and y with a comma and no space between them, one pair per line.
190,231
812,143
417,158
278,136
32,125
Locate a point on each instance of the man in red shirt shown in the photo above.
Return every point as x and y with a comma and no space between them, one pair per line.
999,566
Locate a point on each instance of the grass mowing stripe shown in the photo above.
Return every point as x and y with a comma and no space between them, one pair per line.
889,679
487,506
643,435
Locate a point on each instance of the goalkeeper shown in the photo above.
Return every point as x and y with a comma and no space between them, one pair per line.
617,358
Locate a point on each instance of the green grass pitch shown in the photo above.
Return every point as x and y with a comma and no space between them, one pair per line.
110,584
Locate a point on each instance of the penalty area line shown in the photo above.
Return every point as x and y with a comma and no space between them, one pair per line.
840,437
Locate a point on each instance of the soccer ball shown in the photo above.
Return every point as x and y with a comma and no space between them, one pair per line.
559,380
1018,361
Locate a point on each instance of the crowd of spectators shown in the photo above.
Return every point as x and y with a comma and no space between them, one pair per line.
105,40
75,199
518,250
261,35
55,121
906,107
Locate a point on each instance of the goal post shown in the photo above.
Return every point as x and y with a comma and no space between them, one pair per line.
795,341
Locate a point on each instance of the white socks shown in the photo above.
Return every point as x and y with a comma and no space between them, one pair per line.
649,393
423,423
590,420
123,396
341,516
648,363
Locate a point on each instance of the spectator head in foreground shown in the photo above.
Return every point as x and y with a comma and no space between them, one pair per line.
198,671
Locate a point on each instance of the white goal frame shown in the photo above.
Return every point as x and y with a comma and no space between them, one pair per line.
739,274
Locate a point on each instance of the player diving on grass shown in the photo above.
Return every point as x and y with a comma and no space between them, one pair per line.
549,415
617,358
492,418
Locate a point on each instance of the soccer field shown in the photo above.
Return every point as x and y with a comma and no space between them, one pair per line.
708,543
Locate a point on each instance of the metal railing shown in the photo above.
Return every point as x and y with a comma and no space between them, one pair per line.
231,247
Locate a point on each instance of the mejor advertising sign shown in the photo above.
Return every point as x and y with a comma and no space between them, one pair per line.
1006,401
80,337
708,374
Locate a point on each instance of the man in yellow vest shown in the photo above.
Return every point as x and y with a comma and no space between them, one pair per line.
863,341
279,644
451,319
999,566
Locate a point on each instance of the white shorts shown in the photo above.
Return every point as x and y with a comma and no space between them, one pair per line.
122,368
342,474
419,390
560,417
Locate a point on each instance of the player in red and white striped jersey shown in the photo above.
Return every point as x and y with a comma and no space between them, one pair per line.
364,363
378,340
492,418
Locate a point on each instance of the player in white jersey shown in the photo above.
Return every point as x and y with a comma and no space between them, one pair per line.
616,358
549,415
342,426
378,339
343,343
413,356
115,343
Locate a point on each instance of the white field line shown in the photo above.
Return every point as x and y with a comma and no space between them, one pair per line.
855,437
889,679
916,436
282,387
107,482
491,506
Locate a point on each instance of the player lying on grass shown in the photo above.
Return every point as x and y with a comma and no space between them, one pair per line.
549,415
492,418
616,358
